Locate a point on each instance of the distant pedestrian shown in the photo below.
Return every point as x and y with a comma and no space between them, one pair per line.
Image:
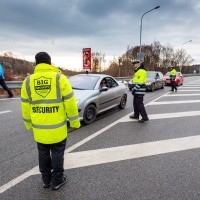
173,78
138,91
2,81
47,101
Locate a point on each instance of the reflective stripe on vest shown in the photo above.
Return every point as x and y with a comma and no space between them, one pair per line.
73,118
49,126
27,120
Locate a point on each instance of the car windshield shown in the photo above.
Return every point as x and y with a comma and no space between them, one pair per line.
150,74
83,82
167,74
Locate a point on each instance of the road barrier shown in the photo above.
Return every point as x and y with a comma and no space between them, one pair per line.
18,84
13,84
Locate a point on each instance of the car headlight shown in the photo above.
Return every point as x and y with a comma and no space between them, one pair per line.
148,83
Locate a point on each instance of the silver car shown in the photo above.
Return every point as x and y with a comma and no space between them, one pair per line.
96,93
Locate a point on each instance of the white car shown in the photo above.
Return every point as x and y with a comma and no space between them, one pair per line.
96,93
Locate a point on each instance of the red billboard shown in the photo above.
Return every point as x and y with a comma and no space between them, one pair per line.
87,59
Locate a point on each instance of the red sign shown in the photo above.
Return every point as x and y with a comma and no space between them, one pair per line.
87,59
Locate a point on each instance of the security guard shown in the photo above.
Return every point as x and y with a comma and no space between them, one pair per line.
172,78
138,91
47,100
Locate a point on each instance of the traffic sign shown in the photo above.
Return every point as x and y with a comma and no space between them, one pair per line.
140,56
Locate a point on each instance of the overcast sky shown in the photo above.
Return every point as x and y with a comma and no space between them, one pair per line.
63,27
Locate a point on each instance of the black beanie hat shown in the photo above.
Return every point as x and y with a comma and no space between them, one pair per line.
42,57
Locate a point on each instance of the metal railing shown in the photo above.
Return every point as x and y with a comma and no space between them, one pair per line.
18,84
13,84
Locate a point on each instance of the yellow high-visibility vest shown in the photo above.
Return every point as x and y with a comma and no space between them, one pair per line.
47,100
139,81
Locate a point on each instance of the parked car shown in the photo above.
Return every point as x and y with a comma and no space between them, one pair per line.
154,81
96,93
178,81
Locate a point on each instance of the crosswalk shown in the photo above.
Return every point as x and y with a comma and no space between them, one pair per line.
120,153
87,158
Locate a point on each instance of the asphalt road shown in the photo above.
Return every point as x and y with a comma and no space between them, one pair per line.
114,158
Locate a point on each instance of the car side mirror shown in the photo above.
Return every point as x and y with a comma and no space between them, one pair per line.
103,89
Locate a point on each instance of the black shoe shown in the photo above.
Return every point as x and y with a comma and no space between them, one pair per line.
56,187
133,117
46,185
143,120
176,90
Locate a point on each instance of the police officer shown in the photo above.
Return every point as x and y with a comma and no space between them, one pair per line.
2,81
138,91
172,78
46,99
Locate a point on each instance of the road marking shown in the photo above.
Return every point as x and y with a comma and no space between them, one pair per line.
173,102
181,95
6,111
114,154
106,155
5,99
17,180
165,116
190,86
180,90
34,170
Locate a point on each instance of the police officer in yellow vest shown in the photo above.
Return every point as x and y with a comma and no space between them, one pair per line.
172,78
47,100
138,91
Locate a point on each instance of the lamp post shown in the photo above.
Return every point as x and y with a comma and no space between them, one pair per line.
185,43
141,26
180,66
119,59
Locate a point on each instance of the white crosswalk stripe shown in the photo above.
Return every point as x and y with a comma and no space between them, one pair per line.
6,111
114,154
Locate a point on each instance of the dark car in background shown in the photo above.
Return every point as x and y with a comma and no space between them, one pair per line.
178,81
154,81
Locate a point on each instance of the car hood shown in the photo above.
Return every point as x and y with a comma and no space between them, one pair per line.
80,94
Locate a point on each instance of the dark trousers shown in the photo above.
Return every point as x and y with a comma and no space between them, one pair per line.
138,106
173,85
51,161
4,86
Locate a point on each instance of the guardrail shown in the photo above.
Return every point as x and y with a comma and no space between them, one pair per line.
18,84
13,84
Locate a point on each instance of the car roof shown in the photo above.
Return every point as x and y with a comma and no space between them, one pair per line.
155,71
97,75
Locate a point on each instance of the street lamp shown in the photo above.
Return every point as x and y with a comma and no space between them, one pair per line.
141,26
180,66
185,43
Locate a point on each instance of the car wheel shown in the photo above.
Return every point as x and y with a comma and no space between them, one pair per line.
123,101
90,114
152,87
